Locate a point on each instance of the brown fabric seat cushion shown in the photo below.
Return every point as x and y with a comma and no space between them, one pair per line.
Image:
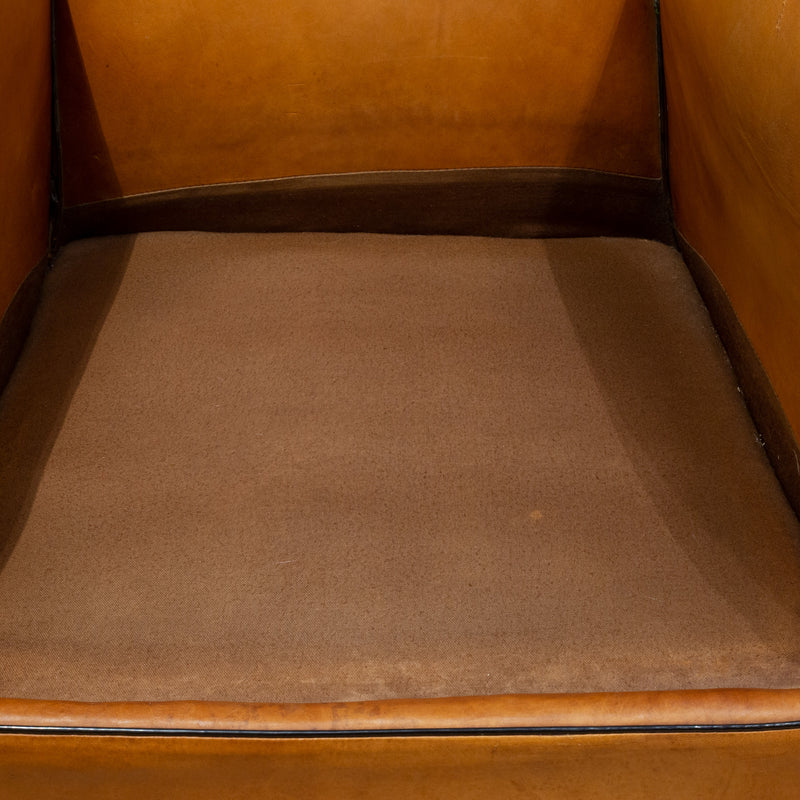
311,467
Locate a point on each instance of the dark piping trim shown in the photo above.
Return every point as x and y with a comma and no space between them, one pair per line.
663,114
202,733
56,163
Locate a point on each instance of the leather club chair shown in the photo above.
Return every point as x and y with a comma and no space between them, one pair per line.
400,399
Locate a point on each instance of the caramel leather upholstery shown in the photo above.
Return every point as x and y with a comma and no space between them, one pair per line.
730,707
736,766
733,91
24,141
159,95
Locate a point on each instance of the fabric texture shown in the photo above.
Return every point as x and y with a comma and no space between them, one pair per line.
324,467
